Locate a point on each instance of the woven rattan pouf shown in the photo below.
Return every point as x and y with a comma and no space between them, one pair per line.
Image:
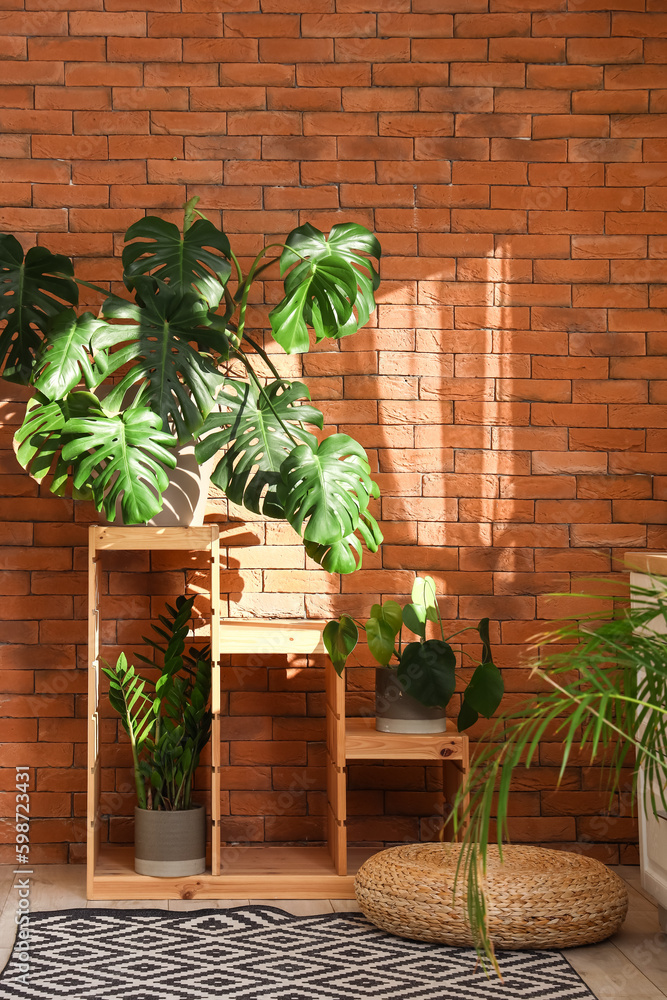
536,899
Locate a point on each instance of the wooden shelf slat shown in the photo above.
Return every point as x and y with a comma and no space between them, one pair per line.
279,637
246,872
144,537
364,742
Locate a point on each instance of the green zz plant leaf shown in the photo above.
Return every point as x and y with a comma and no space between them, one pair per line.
182,260
32,291
256,430
329,278
135,707
325,492
121,456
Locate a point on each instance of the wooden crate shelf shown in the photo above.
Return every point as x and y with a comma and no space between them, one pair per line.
242,872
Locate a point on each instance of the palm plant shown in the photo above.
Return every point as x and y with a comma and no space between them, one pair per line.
172,353
168,720
607,694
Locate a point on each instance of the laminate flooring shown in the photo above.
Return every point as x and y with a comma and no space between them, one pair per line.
630,966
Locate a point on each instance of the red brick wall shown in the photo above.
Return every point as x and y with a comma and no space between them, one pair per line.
512,157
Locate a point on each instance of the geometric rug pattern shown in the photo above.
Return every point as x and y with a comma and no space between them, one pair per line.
261,953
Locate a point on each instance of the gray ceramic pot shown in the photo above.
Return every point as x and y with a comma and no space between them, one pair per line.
170,843
398,712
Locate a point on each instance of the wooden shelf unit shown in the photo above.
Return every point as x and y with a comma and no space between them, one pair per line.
236,871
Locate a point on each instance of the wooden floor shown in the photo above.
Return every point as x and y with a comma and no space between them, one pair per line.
630,966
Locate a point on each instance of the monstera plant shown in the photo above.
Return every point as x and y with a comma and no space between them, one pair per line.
115,393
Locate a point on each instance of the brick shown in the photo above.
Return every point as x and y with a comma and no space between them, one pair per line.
454,50
499,221
338,26
539,150
91,23
297,50
570,511
566,77
31,73
33,23
591,25
471,99
12,47
635,77
139,50
409,75
69,49
261,25
85,220
111,122
601,51
28,219
609,102
555,126
639,25
103,74
154,146
491,25
150,98
59,122
309,99
188,25
521,100
73,98
528,50
63,147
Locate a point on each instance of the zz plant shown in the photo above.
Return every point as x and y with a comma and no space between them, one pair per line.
168,720
426,667
114,394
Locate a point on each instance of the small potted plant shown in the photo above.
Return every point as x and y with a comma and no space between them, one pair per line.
175,370
415,680
168,722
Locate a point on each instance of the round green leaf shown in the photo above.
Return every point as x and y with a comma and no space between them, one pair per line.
340,638
380,638
427,671
414,616
389,612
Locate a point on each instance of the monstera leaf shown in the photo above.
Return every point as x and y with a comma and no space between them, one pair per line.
254,431
123,457
345,555
181,260
64,357
326,488
180,382
330,279
32,292
40,437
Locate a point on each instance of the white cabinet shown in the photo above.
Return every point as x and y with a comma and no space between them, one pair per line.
652,828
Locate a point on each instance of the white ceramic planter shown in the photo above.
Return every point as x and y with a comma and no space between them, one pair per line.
184,500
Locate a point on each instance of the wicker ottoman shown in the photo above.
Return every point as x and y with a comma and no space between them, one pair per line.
536,899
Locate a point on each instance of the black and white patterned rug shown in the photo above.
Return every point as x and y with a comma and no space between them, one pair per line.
260,953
